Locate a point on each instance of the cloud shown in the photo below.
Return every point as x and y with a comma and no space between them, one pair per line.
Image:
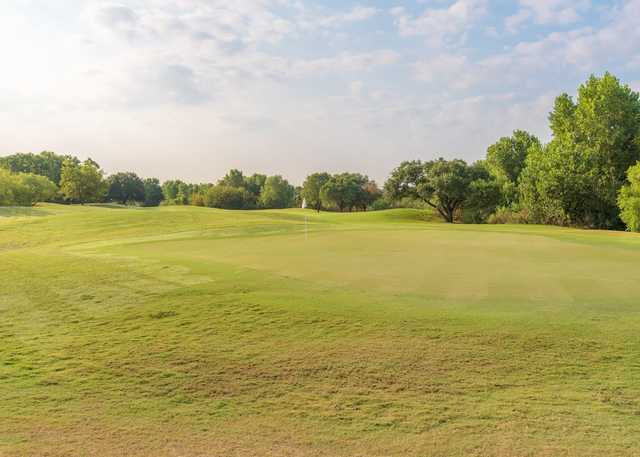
547,12
448,25
357,14
447,70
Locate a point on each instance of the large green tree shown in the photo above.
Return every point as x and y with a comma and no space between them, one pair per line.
82,183
153,195
227,197
277,193
344,191
125,187
311,189
596,139
448,186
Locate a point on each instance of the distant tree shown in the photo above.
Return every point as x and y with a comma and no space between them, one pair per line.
311,189
125,188
82,183
446,186
371,193
153,195
24,189
227,197
254,184
344,191
6,188
177,192
234,178
46,164
629,200
277,193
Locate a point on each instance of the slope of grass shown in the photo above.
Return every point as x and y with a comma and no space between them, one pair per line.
189,331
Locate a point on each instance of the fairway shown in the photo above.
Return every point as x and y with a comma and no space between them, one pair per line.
184,331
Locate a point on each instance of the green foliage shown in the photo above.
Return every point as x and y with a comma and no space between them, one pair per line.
451,187
506,159
254,184
227,197
629,200
24,189
445,186
82,183
48,164
577,178
277,193
177,192
404,181
235,178
153,195
125,188
311,189
345,191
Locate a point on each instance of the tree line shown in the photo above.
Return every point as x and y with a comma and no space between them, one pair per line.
588,175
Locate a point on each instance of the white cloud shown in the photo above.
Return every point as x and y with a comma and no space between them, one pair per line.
441,25
547,12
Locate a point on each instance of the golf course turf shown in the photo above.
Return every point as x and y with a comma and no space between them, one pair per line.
184,331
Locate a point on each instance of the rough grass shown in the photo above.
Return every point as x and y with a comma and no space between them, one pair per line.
196,332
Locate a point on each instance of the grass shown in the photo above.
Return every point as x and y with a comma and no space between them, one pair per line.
193,332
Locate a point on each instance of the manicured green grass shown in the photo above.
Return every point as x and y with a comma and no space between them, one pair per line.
193,332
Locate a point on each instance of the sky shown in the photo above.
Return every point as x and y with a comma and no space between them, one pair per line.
191,88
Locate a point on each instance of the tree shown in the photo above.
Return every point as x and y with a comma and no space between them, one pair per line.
126,187
234,178
227,197
369,195
277,193
578,176
629,200
507,158
485,194
177,192
446,186
47,164
344,191
311,189
254,184
404,181
32,189
24,189
82,183
153,195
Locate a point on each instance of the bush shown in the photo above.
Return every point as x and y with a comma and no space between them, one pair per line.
380,205
505,215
